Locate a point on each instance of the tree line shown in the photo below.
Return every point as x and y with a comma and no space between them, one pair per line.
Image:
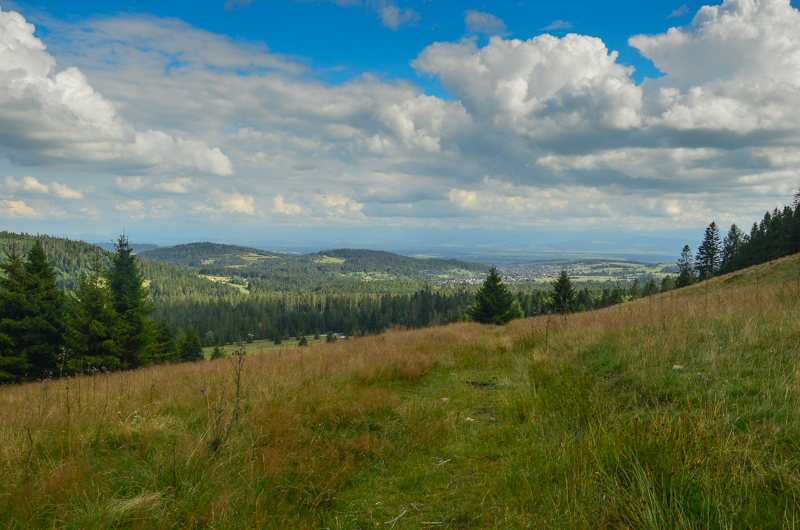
775,236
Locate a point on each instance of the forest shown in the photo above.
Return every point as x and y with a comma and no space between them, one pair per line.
68,306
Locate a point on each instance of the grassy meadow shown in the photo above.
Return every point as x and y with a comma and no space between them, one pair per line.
677,411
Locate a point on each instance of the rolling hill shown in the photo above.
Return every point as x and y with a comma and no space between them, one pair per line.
212,258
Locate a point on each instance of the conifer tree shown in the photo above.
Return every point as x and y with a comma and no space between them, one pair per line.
93,324
493,303
44,337
190,347
731,246
13,310
563,296
129,297
685,265
164,348
709,254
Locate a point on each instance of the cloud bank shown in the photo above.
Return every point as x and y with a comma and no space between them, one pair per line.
540,131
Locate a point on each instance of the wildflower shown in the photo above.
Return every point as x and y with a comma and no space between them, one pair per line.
203,390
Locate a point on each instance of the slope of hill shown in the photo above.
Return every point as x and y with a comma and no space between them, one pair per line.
677,411
213,259
71,259
214,254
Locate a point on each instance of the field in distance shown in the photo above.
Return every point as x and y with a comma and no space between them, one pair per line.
681,410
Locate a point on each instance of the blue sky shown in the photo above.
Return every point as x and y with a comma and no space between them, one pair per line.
384,122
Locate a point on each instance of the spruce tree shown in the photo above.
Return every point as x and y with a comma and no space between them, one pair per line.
493,303
563,297
44,337
93,324
189,346
685,266
129,297
13,311
709,254
164,348
731,246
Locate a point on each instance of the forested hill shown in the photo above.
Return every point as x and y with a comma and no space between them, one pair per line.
206,253
214,259
72,258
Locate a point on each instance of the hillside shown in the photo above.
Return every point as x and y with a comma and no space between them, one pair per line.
330,265
214,254
677,411
72,258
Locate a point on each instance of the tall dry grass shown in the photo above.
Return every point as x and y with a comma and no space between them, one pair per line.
675,411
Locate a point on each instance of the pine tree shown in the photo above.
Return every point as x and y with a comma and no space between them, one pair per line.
686,266
93,324
563,296
13,310
44,338
709,254
129,297
493,303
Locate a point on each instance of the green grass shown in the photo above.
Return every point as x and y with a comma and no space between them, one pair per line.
678,412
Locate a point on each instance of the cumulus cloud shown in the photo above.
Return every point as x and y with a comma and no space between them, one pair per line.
485,23
735,68
281,206
540,88
50,117
179,186
19,209
32,185
131,183
540,129
131,206
234,202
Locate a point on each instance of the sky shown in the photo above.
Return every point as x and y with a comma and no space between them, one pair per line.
413,124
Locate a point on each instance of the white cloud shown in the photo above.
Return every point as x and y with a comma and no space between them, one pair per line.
557,124
485,23
19,209
234,202
58,118
65,192
31,185
280,206
740,40
179,186
131,183
131,206
539,88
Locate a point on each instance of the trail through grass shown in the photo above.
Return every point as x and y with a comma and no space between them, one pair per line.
681,411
